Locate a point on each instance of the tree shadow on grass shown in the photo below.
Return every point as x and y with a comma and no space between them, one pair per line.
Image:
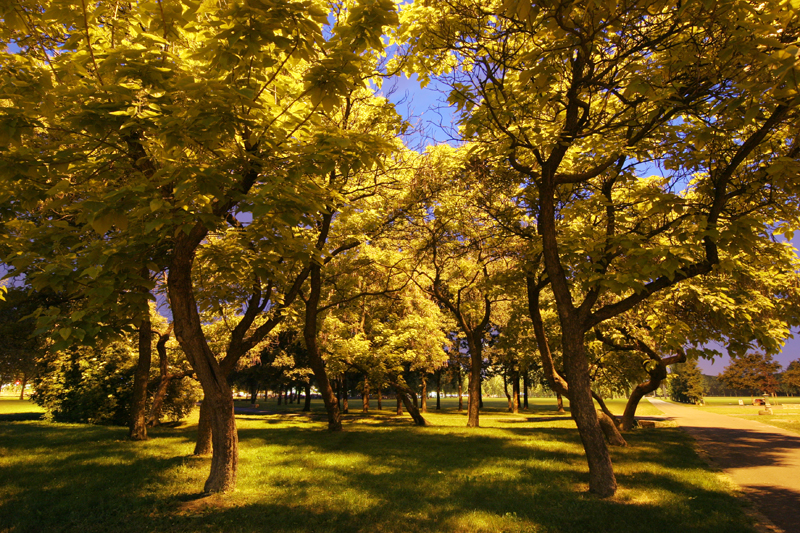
404,479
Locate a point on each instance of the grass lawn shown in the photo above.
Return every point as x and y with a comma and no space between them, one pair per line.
788,419
523,472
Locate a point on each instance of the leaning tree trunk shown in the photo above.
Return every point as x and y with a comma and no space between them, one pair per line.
560,402
138,422
408,397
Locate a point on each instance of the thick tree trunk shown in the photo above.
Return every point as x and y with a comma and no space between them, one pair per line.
560,402
601,474
218,396
365,396
203,444
307,405
525,383
315,358
141,377
424,396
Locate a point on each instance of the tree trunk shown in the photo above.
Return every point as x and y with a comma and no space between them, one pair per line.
24,382
515,391
380,397
601,473
460,393
307,405
218,396
476,359
138,422
610,431
407,395
280,395
315,358
439,390
365,396
164,381
525,384
399,404
345,394
203,445
424,396
560,402
505,390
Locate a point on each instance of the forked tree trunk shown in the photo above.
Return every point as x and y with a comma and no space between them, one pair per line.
138,422
218,396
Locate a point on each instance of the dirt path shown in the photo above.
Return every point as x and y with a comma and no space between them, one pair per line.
763,460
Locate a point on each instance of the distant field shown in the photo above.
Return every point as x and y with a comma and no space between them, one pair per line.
12,408
788,419
516,473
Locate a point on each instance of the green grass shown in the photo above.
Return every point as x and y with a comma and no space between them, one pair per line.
523,472
12,408
788,419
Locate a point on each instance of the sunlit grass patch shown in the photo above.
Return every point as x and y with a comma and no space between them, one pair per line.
523,472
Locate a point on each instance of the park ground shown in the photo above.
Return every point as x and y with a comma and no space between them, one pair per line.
522,472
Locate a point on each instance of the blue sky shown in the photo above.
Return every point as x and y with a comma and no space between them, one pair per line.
428,111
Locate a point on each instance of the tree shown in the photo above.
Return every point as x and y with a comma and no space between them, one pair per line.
143,132
791,377
752,371
22,346
565,102
686,383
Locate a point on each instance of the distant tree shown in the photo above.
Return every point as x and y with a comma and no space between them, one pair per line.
687,384
752,371
791,378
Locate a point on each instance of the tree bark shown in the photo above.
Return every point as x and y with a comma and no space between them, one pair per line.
345,394
424,396
399,404
439,389
505,390
380,397
409,399
141,377
560,402
365,396
525,383
515,390
202,446
460,393
315,358
307,405
476,359
23,382
217,393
